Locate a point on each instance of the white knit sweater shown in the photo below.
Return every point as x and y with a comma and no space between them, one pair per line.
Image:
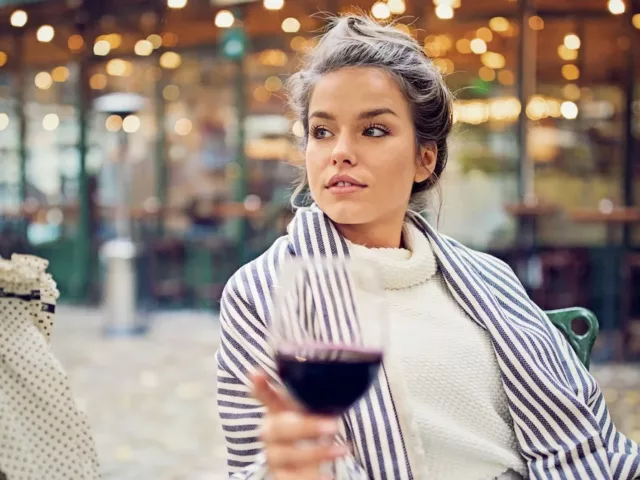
443,371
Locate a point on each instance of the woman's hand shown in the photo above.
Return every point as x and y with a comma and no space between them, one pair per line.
296,443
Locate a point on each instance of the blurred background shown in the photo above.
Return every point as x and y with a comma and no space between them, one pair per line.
147,152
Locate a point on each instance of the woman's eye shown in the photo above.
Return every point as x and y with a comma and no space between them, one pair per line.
375,132
321,132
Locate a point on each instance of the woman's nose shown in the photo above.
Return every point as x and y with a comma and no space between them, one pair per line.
343,152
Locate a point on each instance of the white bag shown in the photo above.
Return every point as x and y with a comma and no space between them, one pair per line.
43,436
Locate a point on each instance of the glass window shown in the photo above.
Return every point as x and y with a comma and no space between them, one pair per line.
576,134
479,60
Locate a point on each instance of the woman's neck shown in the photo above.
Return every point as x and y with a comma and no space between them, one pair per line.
379,235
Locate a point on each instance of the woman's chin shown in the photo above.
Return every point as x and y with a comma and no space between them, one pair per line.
348,213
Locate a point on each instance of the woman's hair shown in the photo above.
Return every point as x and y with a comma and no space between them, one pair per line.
360,41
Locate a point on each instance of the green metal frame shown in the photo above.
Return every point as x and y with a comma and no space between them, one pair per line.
581,344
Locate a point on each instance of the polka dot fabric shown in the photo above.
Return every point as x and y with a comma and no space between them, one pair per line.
43,436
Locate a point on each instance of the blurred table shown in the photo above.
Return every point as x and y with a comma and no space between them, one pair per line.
612,218
527,261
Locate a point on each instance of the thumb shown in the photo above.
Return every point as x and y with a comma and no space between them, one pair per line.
272,398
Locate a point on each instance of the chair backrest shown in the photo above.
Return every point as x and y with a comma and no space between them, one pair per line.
580,327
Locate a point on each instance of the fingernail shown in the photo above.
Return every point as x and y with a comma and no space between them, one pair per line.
328,427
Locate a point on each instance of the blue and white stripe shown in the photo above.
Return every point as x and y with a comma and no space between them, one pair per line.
560,418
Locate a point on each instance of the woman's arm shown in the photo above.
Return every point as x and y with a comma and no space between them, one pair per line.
622,455
244,350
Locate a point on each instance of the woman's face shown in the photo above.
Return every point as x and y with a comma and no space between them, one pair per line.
361,156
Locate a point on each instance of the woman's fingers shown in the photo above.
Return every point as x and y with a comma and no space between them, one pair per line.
303,458
298,474
288,427
271,398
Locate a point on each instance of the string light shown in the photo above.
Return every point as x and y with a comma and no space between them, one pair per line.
444,12
98,81
60,74
273,4
478,46
176,3
572,41
571,92
45,33
537,108
169,39
75,43
131,124
171,93
273,84
487,74
499,24
566,53
43,80
50,122
183,127
19,18
380,10
114,39
297,129
506,77
463,45
570,72
396,7
113,123
569,110
298,43
170,60
4,121
144,48
261,94
102,48
445,65
156,40
493,60
119,68
290,25
273,58
536,23
616,7
484,34
224,19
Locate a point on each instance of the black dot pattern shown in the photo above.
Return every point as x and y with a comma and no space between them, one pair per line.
42,433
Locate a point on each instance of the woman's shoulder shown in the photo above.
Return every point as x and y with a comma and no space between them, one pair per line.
485,263
464,253
258,275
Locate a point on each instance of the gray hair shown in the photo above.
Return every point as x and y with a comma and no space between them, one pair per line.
360,41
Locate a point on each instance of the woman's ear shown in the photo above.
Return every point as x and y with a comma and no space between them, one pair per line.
428,156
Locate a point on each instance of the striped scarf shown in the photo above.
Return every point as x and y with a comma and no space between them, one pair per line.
560,418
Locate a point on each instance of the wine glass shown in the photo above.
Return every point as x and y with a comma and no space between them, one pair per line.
328,331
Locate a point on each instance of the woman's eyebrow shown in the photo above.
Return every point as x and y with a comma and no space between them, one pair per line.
364,115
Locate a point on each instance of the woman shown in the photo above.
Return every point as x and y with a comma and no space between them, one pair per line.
480,385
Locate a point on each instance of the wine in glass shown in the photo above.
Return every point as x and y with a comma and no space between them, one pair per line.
328,331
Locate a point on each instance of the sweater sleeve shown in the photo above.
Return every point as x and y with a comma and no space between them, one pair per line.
243,349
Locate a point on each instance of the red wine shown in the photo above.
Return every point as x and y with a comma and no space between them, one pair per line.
328,380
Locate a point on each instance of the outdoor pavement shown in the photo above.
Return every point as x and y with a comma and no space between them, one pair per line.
151,399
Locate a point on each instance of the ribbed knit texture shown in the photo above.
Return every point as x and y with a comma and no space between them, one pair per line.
443,371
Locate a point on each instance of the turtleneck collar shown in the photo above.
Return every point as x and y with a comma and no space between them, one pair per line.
401,268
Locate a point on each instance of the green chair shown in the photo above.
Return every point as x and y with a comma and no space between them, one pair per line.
582,343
